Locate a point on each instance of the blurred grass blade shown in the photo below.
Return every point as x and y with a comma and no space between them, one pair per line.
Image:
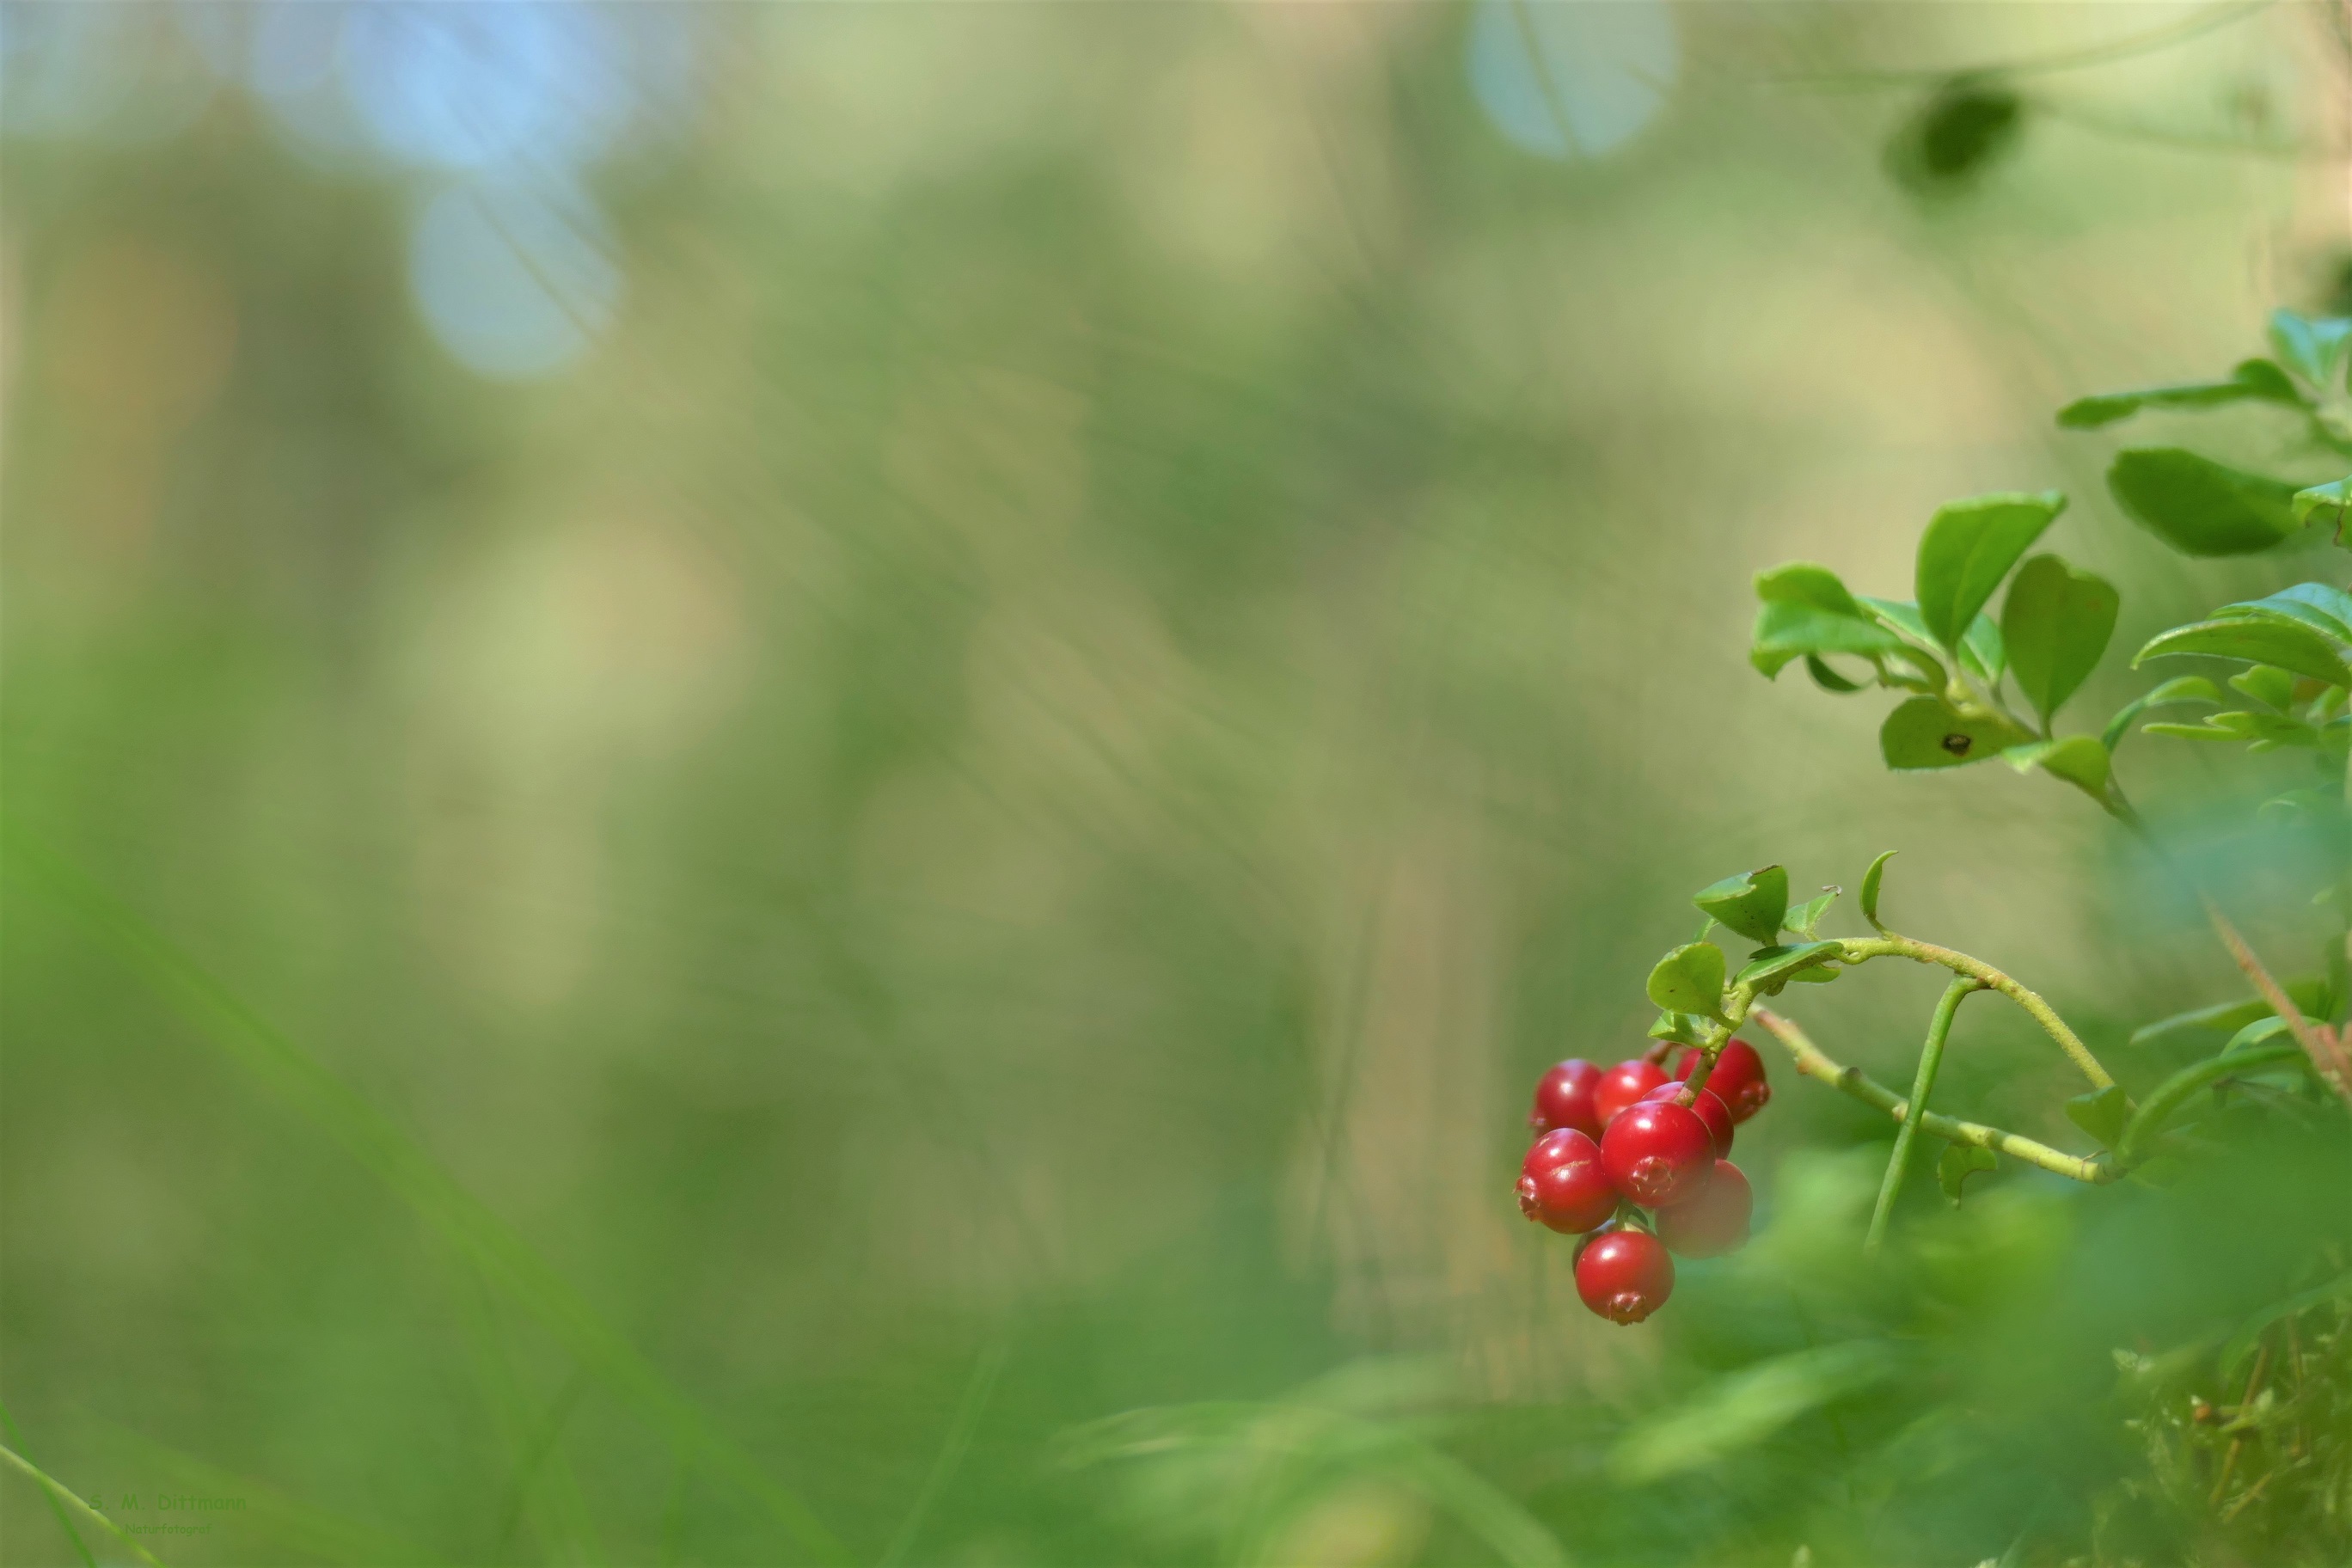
64,1519
313,1533
1514,1534
969,1409
1745,1408
64,1496
307,1086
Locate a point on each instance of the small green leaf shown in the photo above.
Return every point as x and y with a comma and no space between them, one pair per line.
2200,507
2255,378
1804,583
2056,622
2325,610
1816,974
2309,992
1870,882
1751,903
2312,347
2266,684
2288,644
1927,732
1953,138
2100,1113
1807,915
2180,688
1967,549
2080,760
1690,980
1769,968
1681,1028
1829,679
1960,1162
1786,629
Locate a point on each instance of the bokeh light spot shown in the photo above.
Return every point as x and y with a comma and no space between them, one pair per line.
515,281
1577,79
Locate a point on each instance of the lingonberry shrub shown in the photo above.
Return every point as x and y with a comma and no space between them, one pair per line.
2270,675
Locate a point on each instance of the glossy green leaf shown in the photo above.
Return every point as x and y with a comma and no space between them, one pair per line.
2100,1113
1902,618
1870,884
2311,346
2200,507
2289,645
1788,629
2266,684
2056,624
1927,732
1751,903
1684,1029
2080,760
1802,919
1804,583
2180,688
1769,968
2257,379
1690,980
2325,610
1959,1162
1967,549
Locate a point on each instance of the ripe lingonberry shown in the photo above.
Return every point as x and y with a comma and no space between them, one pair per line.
1623,1084
1715,1222
1624,1275
1564,1099
1738,1078
1658,1152
1710,1108
1561,1183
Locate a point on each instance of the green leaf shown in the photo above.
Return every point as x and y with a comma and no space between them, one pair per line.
2200,507
2180,688
2056,623
2080,760
2288,644
1870,882
1901,616
1751,903
1681,1028
2312,347
1956,135
1927,732
1788,629
1769,968
2268,731
1690,980
1804,583
2325,610
2335,497
2255,378
2100,1113
1829,679
2266,684
1737,1411
1816,974
1960,1162
1807,915
1967,549
2308,992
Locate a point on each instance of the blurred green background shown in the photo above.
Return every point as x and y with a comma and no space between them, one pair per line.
796,782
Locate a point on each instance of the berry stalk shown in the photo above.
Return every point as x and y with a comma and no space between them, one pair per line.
1906,1131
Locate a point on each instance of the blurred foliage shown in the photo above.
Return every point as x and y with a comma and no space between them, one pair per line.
903,915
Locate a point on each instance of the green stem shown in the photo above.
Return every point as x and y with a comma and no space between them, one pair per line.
2174,1092
63,1494
1906,1132
1893,946
1813,1064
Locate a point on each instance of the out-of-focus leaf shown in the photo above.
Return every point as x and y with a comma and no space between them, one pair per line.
1961,132
2200,507
2239,1345
2332,500
2056,624
1927,732
2258,379
1744,1408
1751,904
1870,884
2266,684
2265,731
2255,1032
1968,548
2289,645
1690,980
2100,1113
1807,915
2080,760
2311,346
1769,968
1959,1162
2309,992
2180,688
2325,610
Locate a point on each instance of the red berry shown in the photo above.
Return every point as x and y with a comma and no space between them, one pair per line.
1711,1110
1564,1099
1561,1183
1658,1152
1715,1222
1738,1078
1623,1084
1624,1275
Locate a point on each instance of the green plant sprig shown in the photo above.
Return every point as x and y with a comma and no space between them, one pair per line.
1931,1058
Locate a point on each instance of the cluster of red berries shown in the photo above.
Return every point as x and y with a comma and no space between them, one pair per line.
1611,1144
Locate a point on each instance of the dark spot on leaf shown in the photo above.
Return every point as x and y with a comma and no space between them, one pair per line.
1956,136
1957,744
